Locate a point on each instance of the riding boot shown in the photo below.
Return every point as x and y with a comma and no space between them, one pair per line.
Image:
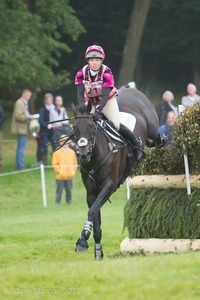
136,143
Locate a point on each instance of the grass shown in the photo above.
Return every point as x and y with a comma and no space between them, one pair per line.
37,257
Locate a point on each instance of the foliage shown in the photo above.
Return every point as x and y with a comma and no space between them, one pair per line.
161,213
161,161
170,160
169,50
42,45
106,23
31,43
187,133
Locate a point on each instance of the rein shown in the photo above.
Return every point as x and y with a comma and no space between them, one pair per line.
113,148
69,119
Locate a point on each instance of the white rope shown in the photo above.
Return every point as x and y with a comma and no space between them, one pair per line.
18,172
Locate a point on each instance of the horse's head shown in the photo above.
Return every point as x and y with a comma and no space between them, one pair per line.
84,130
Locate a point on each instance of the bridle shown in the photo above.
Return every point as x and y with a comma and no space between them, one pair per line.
83,141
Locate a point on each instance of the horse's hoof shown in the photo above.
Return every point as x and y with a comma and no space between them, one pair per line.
98,252
81,245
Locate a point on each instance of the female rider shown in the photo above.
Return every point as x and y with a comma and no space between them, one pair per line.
95,83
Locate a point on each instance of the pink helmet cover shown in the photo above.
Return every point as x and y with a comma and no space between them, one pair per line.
95,51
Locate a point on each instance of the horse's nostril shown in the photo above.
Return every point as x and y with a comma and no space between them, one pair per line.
85,158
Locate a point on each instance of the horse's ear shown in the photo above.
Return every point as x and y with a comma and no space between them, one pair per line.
89,107
74,109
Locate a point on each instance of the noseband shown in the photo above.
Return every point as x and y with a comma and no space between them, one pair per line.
83,141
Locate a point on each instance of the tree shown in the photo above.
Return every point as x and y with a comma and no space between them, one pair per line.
169,52
133,40
31,44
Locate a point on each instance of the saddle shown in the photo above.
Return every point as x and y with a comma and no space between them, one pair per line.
109,130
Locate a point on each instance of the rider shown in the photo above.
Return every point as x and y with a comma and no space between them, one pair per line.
95,83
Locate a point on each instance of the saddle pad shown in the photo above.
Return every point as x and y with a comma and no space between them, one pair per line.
128,120
110,130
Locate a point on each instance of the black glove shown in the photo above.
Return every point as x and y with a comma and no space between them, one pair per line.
96,115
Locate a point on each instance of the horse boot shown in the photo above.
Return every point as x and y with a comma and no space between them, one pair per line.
136,143
82,244
98,252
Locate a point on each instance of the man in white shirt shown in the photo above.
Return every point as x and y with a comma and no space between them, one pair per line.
192,96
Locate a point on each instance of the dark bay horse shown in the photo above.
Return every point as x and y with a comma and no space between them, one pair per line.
104,160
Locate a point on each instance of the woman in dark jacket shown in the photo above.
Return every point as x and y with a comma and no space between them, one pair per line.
46,130
167,106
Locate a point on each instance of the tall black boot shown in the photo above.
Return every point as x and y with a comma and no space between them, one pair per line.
136,143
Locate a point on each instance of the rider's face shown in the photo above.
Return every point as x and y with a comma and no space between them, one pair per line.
94,63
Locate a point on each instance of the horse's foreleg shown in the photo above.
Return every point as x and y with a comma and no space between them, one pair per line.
97,234
82,244
93,219
94,215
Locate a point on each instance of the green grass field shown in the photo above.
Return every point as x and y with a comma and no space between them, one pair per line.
37,257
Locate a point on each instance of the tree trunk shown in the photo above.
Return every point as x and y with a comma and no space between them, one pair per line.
132,45
196,78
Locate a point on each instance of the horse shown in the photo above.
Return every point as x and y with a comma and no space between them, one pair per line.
105,159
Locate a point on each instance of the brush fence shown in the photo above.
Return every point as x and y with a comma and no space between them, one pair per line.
136,221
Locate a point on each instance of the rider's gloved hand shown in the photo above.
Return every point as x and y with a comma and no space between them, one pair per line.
96,115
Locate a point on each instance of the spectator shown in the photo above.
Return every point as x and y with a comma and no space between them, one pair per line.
2,119
46,130
65,164
192,96
166,130
60,113
20,121
167,106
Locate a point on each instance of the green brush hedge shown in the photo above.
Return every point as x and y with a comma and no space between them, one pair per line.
170,160
161,213
168,213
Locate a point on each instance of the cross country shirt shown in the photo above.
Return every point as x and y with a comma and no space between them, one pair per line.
94,85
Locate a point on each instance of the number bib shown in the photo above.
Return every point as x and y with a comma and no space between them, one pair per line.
93,89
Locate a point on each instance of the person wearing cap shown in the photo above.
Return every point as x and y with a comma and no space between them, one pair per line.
95,83
65,165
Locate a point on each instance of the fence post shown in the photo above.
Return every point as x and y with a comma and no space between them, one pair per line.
187,173
128,192
44,197
185,156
